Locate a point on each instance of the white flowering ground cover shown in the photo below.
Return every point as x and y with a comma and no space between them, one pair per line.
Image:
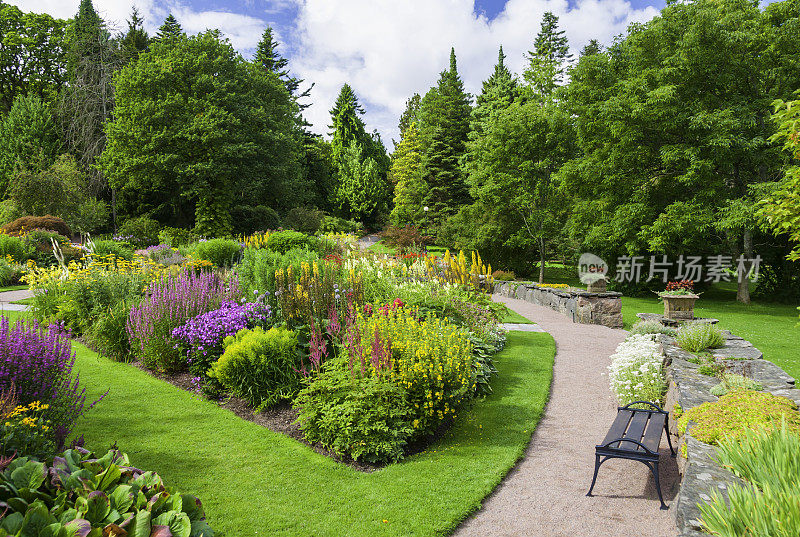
636,372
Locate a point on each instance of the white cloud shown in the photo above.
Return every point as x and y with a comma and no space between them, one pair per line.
244,31
387,50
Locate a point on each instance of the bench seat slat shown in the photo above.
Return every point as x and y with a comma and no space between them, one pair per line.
618,427
652,436
635,430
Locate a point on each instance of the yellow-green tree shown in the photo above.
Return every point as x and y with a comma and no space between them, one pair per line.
408,172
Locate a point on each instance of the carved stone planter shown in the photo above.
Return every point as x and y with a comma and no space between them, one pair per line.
680,307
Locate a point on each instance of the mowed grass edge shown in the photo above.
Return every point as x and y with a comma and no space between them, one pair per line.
256,482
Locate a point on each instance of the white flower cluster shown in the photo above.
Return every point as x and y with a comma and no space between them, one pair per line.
636,371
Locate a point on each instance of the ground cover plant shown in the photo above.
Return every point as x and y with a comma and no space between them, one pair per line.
79,493
738,412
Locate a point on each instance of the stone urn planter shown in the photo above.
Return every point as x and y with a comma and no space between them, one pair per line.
597,286
679,307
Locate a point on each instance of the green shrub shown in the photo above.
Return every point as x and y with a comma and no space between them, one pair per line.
115,248
248,219
26,223
258,266
732,381
91,216
504,276
651,327
303,219
9,211
175,236
260,366
770,462
81,494
141,232
334,224
737,412
108,332
39,247
10,274
366,419
221,252
696,337
283,241
12,246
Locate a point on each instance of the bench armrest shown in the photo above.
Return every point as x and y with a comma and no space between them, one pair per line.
656,408
648,451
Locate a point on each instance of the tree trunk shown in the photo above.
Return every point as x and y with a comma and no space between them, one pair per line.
743,282
541,259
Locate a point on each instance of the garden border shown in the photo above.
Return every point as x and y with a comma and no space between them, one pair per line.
687,388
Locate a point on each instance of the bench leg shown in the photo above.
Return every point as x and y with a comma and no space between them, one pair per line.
597,463
654,468
669,440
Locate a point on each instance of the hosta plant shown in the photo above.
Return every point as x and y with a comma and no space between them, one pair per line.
80,495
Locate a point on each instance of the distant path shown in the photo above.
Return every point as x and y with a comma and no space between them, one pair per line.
367,241
545,495
6,297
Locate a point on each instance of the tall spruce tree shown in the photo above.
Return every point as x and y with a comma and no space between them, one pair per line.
498,92
347,125
445,116
548,61
409,116
268,57
135,40
410,186
170,29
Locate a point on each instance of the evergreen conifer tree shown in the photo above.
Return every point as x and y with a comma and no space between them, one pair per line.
135,40
170,29
548,61
445,123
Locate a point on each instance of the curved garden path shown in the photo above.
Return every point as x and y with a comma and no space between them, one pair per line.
545,495
6,297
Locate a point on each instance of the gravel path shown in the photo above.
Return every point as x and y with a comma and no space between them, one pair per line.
6,297
545,495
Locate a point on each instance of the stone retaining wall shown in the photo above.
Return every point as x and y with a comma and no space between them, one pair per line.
688,388
581,306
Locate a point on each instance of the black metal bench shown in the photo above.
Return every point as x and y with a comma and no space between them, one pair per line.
635,435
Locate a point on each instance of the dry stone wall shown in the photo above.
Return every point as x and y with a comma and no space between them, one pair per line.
604,308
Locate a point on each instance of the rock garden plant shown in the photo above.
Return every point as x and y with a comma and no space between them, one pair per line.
636,372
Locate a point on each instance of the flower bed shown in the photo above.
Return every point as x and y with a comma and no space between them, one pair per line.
415,334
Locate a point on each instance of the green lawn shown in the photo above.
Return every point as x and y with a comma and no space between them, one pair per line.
256,482
13,288
380,248
514,317
771,327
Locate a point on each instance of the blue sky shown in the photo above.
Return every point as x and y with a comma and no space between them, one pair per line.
385,49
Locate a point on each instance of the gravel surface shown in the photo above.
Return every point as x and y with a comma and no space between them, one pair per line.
545,495
6,297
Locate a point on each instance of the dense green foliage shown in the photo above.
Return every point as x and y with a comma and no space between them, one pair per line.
765,460
236,118
80,493
260,366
